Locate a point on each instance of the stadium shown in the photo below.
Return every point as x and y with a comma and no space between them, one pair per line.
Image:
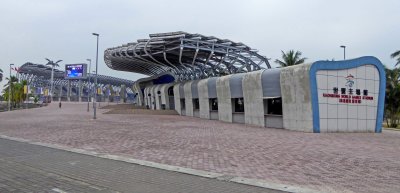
213,78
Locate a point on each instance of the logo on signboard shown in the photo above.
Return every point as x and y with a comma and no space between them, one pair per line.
350,80
348,94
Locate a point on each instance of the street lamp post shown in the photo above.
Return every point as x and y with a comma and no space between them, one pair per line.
9,90
28,80
94,92
344,52
41,85
95,79
88,100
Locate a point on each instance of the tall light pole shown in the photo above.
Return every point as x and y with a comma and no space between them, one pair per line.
94,90
95,79
344,52
28,79
88,99
9,90
50,62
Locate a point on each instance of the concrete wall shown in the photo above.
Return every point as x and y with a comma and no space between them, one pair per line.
139,96
164,94
253,98
187,87
149,98
153,97
294,86
145,97
214,115
122,94
274,121
195,95
296,98
158,96
203,99
224,99
177,98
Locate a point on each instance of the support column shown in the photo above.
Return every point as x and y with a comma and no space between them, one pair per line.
60,95
100,94
107,98
122,94
88,92
80,91
69,91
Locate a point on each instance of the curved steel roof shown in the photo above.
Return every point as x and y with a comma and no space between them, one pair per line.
44,73
185,55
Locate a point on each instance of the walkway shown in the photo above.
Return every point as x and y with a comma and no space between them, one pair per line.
341,162
32,168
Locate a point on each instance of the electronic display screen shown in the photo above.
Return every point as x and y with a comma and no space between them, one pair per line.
75,71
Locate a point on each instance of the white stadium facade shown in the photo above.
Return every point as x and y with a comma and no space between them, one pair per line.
212,78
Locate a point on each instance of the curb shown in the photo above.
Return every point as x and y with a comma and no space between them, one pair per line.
391,129
205,174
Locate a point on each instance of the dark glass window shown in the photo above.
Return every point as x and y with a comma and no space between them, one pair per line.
274,106
214,104
238,104
196,104
183,104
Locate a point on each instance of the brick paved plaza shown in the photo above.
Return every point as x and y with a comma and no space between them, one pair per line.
339,162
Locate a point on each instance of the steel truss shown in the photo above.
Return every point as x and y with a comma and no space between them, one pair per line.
184,55
38,75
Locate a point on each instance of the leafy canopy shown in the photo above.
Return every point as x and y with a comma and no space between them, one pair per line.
396,54
290,58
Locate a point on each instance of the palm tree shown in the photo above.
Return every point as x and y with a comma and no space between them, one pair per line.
392,99
13,80
290,58
10,84
1,75
52,64
396,54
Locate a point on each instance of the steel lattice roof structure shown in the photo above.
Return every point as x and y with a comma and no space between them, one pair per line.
42,73
184,55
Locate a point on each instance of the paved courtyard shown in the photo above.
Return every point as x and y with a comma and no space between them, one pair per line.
27,168
341,162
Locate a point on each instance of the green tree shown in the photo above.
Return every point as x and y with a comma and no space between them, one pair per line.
396,54
17,91
9,85
290,58
392,99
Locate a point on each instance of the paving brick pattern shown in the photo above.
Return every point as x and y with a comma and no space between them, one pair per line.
35,169
340,162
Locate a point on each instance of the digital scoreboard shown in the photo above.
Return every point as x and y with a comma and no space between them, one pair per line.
75,71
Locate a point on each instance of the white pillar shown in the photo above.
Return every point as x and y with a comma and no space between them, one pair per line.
69,91
80,91
60,95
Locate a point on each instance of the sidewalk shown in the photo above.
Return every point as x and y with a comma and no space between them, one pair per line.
31,168
340,162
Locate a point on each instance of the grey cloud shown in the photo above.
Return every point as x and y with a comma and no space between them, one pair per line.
33,30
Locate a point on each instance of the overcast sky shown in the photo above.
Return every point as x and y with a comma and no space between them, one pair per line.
61,29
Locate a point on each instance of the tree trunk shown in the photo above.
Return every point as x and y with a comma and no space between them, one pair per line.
387,122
